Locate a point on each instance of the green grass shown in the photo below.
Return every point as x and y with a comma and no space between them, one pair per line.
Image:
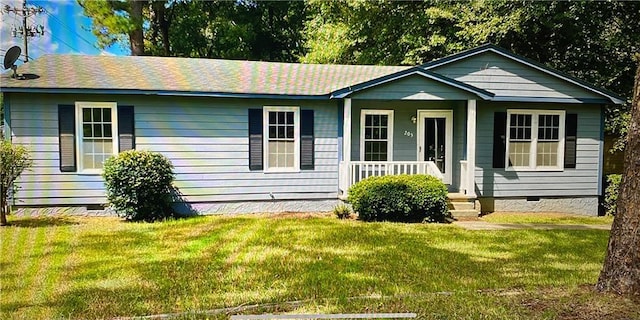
545,218
103,267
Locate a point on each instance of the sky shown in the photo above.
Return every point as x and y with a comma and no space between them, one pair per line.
66,30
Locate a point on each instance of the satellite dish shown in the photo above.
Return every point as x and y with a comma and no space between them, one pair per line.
11,56
10,59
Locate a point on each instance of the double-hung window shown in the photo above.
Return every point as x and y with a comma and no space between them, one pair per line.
535,139
282,145
96,134
376,135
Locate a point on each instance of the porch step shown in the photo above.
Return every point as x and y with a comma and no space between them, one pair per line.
464,213
461,205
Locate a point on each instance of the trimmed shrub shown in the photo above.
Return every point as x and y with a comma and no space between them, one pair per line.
611,193
406,198
139,186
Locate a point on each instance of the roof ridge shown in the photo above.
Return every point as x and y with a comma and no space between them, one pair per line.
221,60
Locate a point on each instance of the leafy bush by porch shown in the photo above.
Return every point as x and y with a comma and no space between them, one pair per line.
138,185
408,198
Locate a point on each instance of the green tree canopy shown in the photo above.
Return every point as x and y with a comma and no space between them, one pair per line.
594,41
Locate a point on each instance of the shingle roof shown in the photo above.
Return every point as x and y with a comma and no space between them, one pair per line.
213,77
190,75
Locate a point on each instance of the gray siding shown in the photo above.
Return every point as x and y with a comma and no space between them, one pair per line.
205,138
414,87
507,78
405,146
581,181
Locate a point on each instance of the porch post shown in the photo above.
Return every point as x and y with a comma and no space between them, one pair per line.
471,148
346,131
346,145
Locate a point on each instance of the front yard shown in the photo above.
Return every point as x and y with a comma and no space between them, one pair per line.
103,268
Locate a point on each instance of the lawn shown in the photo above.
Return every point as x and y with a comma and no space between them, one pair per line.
102,268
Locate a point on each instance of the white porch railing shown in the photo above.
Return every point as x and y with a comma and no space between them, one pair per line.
359,170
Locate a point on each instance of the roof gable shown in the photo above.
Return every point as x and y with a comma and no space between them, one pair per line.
413,84
514,78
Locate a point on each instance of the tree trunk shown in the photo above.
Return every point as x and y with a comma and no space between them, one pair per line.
164,22
621,270
136,36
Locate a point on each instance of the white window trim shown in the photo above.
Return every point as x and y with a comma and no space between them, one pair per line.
389,113
79,131
296,138
534,139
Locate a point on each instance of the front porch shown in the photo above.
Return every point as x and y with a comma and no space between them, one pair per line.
436,138
461,203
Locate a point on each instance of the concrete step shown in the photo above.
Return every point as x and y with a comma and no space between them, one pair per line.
459,205
464,213
454,196
462,205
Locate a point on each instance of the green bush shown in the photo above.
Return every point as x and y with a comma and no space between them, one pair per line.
407,198
139,185
611,193
14,159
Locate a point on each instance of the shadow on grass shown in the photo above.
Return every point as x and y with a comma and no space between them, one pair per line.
42,222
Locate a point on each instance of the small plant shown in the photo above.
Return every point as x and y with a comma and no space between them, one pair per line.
342,211
409,198
611,193
139,185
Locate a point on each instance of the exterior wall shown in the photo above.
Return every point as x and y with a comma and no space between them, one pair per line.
508,78
205,138
405,139
576,205
582,181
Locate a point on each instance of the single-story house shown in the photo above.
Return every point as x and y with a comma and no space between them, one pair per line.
261,136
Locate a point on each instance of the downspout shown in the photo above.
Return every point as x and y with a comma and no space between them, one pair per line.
6,123
601,153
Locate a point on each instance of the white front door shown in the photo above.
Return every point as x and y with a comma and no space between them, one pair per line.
435,139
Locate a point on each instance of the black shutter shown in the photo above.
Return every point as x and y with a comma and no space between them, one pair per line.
67,137
306,140
570,140
499,139
255,139
126,129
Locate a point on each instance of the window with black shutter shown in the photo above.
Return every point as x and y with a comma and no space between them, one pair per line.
281,139
91,132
